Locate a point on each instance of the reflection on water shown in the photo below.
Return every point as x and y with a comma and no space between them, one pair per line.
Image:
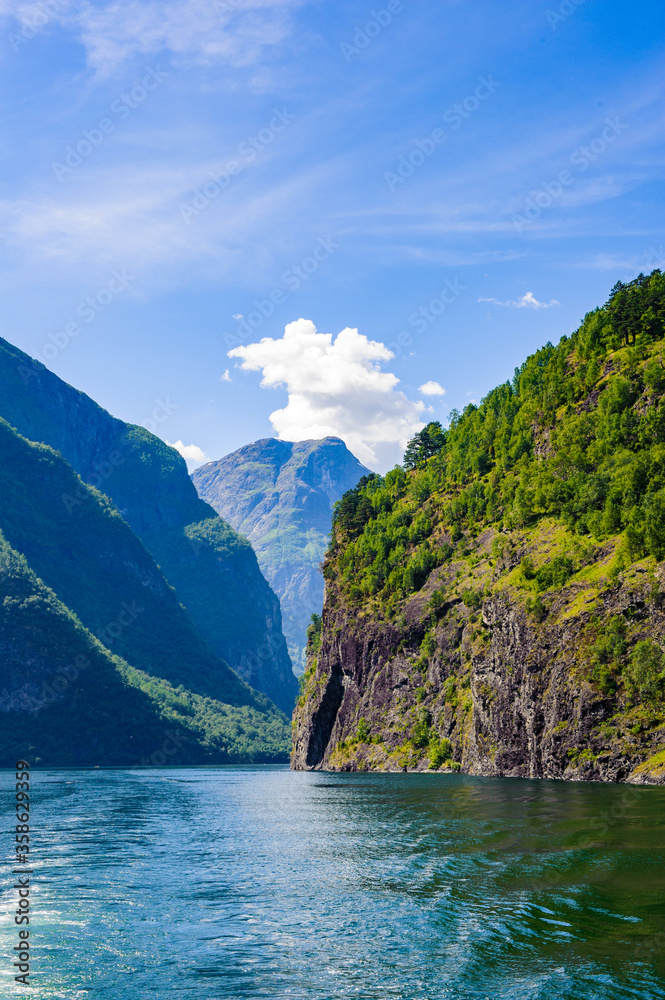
258,882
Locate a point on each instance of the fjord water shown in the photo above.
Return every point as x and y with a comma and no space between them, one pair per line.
259,882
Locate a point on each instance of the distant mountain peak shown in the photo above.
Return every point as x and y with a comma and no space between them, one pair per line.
280,494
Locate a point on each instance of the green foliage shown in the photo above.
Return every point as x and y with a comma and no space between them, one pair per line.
554,573
428,645
362,733
354,509
608,654
437,601
420,732
472,598
427,443
537,608
440,752
640,669
77,543
304,680
578,435
143,484
644,675
314,635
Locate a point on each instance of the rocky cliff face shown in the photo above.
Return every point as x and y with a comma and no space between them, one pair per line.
213,570
281,495
513,692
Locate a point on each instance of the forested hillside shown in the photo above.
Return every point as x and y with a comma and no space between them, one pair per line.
66,700
213,569
504,586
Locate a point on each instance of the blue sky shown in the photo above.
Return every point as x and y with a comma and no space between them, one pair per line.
457,181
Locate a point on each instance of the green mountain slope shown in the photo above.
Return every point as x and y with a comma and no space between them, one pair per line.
91,559
497,604
281,495
213,570
66,700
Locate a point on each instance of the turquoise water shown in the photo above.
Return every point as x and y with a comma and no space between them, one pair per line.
258,882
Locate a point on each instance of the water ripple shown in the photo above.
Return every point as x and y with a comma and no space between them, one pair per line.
260,883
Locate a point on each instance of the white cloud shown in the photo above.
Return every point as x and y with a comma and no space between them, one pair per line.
335,387
192,454
207,31
527,301
130,217
226,377
432,389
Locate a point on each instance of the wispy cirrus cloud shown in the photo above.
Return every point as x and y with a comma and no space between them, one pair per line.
528,301
236,32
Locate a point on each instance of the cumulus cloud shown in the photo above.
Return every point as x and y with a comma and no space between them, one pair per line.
432,389
335,388
226,377
192,454
528,301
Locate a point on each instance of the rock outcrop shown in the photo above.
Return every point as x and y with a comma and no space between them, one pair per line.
514,695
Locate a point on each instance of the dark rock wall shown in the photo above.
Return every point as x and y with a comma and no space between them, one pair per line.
516,701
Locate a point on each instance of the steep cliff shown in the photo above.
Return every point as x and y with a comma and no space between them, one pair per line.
213,570
281,495
497,606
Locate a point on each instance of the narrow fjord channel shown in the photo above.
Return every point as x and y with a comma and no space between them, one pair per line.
257,882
